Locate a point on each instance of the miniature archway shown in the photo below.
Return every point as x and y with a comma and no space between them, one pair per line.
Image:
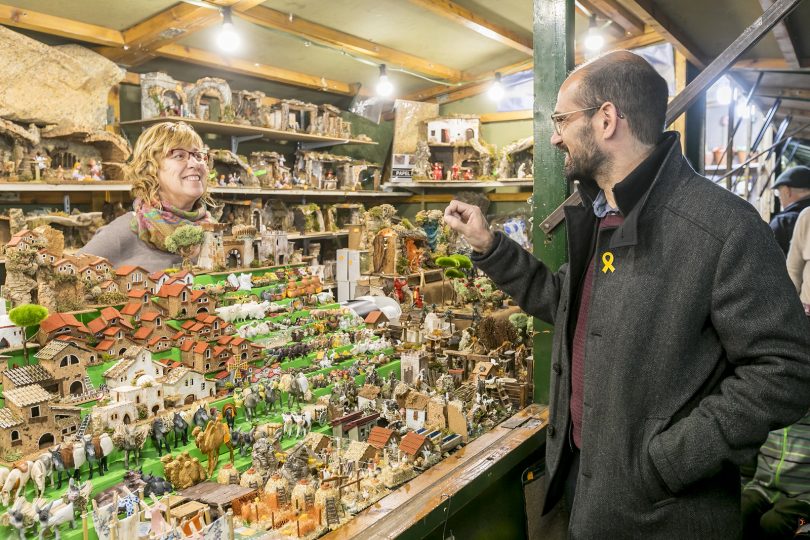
191,398
205,89
46,440
234,259
76,388
127,419
155,409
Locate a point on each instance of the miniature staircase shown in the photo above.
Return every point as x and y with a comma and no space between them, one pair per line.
88,384
331,512
83,427
309,499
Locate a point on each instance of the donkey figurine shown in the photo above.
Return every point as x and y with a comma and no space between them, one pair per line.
159,439
67,457
180,429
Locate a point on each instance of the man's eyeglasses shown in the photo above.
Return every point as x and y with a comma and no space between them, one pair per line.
559,118
181,154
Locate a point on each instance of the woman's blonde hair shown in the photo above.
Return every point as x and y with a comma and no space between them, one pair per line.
152,146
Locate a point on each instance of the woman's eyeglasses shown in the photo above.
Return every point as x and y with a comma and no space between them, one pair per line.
181,154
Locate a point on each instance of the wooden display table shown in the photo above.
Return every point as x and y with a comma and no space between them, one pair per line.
186,510
219,497
420,505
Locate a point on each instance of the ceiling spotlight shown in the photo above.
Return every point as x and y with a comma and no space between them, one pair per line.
384,86
594,40
228,39
496,91
724,94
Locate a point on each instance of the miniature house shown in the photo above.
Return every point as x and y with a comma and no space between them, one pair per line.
61,324
231,170
360,452
212,252
210,98
293,115
131,277
11,335
320,170
416,405
161,95
67,364
269,169
31,422
380,437
368,395
185,386
412,445
137,361
412,363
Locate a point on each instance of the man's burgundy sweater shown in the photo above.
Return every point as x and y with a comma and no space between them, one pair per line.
610,221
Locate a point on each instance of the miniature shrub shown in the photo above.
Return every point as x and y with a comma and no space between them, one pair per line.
28,314
462,260
454,273
143,412
446,262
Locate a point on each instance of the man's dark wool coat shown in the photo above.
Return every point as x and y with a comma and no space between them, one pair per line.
696,347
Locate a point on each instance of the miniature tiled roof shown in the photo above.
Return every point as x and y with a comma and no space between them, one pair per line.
49,351
176,374
376,317
179,334
110,313
8,419
25,375
416,400
412,442
150,316
66,408
154,276
105,345
118,369
131,308
181,274
221,375
197,294
316,441
97,325
111,331
137,293
380,436
127,270
206,318
154,341
359,451
107,284
27,395
187,345
200,347
365,420
187,324
171,290
58,320
143,332
483,369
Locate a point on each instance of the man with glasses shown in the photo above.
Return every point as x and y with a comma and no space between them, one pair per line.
679,341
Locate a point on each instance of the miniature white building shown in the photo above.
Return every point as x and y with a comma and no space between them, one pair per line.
137,361
416,405
127,399
412,362
188,385
11,335
275,245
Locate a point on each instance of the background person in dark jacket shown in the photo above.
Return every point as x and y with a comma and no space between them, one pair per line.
679,340
793,186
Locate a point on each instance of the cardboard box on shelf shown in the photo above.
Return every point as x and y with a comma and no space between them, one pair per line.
346,290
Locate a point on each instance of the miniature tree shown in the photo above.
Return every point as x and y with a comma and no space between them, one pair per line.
184,240
455,266
27,315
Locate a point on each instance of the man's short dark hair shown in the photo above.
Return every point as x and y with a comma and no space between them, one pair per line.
633,86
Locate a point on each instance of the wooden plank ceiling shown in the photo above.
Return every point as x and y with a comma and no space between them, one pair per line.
440,50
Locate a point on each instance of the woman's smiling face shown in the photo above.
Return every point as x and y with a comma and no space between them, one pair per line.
182,176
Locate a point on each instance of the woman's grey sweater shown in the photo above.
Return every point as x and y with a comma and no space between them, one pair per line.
119,244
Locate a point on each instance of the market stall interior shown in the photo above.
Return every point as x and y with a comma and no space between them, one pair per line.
327,360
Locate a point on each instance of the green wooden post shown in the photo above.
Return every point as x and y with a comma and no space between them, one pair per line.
694,145
553,59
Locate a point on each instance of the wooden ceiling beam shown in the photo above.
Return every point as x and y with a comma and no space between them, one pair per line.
261,71
784,39
648,11
59,26
613,30
277,20
167,27
650,37
463,16
633,25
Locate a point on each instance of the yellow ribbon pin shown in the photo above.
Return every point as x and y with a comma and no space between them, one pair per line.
607,261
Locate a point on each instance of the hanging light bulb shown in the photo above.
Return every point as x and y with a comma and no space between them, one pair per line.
723,94
228,39
594,40
384,86
496,91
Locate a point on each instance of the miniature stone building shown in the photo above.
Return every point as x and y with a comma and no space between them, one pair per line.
131,277
293,115
32,422
380,437
360,452
412,445
269,169
161,95
136,361
412,363
205,357
210,98
67,364
61,324
185,386
320,170
416,405
212,251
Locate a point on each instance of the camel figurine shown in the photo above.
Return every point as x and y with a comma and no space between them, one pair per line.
208,441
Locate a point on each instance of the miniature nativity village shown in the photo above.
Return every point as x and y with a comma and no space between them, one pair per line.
310,356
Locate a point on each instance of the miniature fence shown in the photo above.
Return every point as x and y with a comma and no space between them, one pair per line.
90,395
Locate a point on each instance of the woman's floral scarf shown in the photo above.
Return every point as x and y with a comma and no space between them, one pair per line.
153,225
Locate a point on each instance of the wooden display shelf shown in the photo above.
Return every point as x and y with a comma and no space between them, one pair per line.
95,185
421,186
421,505
240,130
306,192
310,236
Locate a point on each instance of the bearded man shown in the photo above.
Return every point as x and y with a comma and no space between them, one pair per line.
679,340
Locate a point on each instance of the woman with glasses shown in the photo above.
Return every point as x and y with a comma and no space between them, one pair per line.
169,173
